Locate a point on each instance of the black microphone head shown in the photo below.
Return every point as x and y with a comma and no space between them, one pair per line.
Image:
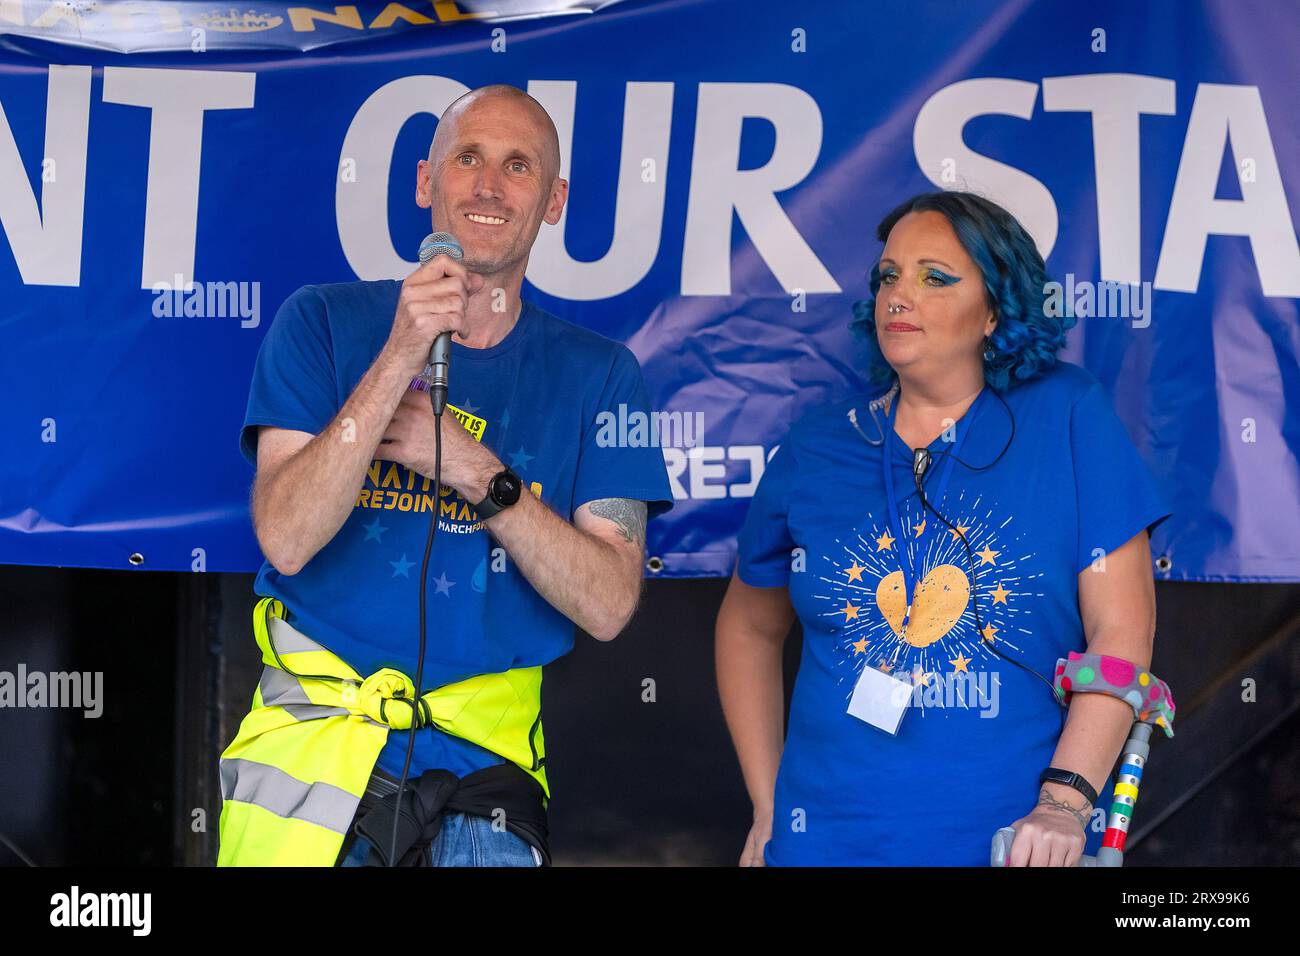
920,462
440,244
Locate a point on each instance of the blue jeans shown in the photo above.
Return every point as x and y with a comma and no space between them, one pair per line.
464,840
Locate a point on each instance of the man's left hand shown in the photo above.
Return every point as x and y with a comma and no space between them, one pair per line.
467,466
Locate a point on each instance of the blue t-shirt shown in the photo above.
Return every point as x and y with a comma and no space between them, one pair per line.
978,729
538,392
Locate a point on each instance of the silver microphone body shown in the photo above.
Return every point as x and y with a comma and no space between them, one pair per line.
439,367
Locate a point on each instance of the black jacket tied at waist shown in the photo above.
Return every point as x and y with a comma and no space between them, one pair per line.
502,788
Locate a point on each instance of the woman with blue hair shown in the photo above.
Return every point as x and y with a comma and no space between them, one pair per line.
944,539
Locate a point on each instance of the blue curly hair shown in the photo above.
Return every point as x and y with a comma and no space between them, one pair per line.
1026,339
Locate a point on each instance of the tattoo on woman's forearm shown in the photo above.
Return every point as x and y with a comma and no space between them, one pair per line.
628,513
1081,814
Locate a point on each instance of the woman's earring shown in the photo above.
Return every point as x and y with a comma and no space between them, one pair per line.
988,349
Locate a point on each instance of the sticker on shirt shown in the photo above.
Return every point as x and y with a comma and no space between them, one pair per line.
939,648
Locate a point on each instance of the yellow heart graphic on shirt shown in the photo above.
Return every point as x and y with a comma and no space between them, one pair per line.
937,606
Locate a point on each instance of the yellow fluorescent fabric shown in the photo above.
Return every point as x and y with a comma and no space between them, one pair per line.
295,773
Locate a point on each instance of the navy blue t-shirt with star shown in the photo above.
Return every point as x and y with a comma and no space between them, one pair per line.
1069,489
533,398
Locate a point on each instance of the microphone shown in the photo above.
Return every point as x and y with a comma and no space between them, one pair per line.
436,372
920,462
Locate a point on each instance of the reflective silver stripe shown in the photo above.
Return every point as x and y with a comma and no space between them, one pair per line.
286,796
284,690
315,711
278,688
289,640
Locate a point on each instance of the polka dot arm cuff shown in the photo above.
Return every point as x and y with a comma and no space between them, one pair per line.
1099,673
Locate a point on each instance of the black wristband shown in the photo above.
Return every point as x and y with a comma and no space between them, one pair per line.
1069,779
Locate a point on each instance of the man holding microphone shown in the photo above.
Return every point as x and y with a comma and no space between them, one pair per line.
540,526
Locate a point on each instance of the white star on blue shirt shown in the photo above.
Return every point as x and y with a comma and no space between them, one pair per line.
519,459
443,585
374,530
468,406
401,567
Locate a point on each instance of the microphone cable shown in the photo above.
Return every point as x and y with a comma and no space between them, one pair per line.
920,463
418,707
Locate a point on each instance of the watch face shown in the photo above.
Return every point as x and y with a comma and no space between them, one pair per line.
505,488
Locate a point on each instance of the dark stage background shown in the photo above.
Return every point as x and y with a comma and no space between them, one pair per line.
634,782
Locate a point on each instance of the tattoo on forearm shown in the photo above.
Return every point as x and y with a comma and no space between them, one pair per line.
1081,814
628,513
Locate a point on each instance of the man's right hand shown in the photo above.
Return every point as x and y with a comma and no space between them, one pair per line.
432,301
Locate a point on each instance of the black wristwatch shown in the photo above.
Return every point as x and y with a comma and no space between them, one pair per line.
503,491
1069,779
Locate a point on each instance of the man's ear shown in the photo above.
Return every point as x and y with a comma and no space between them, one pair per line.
559,193
423,184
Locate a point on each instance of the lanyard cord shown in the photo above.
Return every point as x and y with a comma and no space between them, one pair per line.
970,559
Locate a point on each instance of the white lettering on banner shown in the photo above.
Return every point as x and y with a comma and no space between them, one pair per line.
705,471
46,236
638,205
1116,102
1219,112
937,137
178,99
46,240
361,206
719,186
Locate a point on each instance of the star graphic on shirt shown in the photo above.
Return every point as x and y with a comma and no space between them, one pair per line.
443,585
987,555
960,664
1000,595
374,531
885,666
884,542
854,572
920,677
402,566
850,611
468,406
989,632
860,646
920,529
961,528
520,459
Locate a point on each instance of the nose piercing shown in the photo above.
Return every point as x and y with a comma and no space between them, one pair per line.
894,309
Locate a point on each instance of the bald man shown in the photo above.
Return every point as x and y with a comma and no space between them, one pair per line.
540,520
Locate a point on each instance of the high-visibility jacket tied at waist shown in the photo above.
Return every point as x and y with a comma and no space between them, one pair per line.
293,777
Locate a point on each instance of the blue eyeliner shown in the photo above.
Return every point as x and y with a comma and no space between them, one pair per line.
943,277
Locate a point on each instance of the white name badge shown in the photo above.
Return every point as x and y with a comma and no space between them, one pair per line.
879,699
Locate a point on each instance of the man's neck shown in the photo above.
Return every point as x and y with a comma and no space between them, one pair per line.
493,311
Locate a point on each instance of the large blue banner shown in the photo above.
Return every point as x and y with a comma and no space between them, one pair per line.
728,163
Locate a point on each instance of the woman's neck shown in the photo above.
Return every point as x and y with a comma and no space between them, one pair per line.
925,409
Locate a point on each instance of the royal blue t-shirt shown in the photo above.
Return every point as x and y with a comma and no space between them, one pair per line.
538,393
978,730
